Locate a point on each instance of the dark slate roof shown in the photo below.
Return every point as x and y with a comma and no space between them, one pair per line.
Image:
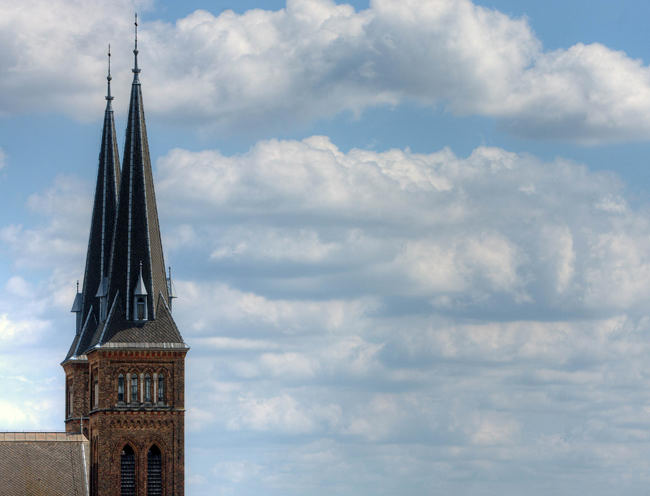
101,225
137,231
118,329
43,463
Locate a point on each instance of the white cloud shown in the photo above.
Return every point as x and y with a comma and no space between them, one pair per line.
15,416
315,58
461,233
216,306
282,414
3,159
21,332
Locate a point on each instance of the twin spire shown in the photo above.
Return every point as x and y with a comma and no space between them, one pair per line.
125,295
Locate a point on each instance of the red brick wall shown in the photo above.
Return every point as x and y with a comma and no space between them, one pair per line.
76,373
113,425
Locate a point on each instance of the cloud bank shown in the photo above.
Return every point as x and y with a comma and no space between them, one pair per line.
388,320
407,321
315,59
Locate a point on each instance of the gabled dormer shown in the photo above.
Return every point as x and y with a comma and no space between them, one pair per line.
102,296
140,304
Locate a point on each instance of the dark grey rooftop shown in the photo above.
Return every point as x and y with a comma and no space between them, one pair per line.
43,463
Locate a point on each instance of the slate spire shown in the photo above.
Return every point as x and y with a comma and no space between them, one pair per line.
137,233
87,304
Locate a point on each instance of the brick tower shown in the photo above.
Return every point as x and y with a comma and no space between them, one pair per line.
125,368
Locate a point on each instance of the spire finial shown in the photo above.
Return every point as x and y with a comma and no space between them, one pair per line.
108,77
136,69
77,285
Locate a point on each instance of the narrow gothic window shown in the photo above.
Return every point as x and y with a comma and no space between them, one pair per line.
161,388
120,389
69,398
147,388
96,386
154,472
127,472
140,309
92,391
134,388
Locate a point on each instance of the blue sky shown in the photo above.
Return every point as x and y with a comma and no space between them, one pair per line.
411,239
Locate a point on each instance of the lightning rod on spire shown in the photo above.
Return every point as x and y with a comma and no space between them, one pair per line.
108,77
136,69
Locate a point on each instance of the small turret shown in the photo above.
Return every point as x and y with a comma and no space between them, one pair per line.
140,299
171,290
77,307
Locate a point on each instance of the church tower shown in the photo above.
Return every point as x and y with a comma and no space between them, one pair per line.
125,368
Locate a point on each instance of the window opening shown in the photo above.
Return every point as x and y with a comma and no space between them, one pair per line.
91,399
147,388
134,388
140,309
161,388
120,389
154,472
70,399
127,472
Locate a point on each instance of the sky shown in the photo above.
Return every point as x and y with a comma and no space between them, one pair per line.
410,239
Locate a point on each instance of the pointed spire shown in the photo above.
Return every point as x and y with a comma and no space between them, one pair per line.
136,69
109,98
137,232
101,228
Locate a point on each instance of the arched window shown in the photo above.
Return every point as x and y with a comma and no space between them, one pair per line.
120,389
161,388
127,472
140,309
147,388
154,472
134,388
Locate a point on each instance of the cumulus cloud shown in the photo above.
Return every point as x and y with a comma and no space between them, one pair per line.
493,232
315,58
